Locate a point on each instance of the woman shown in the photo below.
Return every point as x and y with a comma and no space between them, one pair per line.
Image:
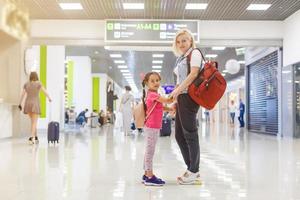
32,103
126,108
186,131
232,109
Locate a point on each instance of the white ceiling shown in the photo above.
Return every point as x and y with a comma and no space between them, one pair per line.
162,9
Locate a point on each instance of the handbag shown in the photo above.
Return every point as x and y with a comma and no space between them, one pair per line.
209,86
139,114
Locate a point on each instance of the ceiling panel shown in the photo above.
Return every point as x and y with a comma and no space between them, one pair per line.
140,62
162,9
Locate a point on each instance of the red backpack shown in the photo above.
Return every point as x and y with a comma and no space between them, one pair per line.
209,86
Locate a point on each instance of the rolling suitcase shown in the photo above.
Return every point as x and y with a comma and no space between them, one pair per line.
53,132
166,127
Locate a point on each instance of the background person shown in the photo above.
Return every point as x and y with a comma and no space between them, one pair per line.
232,109
32,103
81,118
126,107
242,112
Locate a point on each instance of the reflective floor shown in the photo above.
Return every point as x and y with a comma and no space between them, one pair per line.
104,164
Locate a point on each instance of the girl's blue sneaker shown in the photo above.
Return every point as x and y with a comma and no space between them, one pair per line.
154,181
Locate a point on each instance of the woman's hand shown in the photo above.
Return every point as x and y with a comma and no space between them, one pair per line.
175,94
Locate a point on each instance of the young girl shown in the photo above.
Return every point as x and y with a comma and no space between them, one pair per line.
153,124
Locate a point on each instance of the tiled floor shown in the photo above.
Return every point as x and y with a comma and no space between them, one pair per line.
104,164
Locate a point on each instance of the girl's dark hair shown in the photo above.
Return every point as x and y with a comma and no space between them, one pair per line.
145,80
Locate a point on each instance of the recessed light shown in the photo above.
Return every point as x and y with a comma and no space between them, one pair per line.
96,52
218,48
158,55
107,47
195,6
157,61
211,55
258,6
223,74
241,61
115,55
156,70
156,66
122,66
70,6
124,70
225,71
133,6
119,61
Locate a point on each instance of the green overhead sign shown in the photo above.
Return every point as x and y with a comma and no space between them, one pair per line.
147,31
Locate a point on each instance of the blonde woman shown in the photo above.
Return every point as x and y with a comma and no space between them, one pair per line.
186,131
32,103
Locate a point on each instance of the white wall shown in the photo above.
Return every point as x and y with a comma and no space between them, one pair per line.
68,29
241,29
82,85
6,120
291,44
102,89
55,86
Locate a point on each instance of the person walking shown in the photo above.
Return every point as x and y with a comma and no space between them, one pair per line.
126,107
242,112
232,109
186,131
32,103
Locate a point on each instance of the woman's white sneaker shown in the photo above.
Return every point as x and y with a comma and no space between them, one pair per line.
189,178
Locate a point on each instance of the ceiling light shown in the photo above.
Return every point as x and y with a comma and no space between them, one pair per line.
126,74
211,55
258,6
119,61
96,52
158,55
223,74
156,70
195,6
115,55
218,48
241,61
122,66
156,66
157,61
225,71
124,70
107,47
70,6
133,6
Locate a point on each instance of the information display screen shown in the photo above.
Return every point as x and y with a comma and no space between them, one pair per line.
147,31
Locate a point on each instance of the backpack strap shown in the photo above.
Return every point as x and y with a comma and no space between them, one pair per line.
189,59
151,110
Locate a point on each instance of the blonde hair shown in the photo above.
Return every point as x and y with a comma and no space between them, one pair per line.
186,32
